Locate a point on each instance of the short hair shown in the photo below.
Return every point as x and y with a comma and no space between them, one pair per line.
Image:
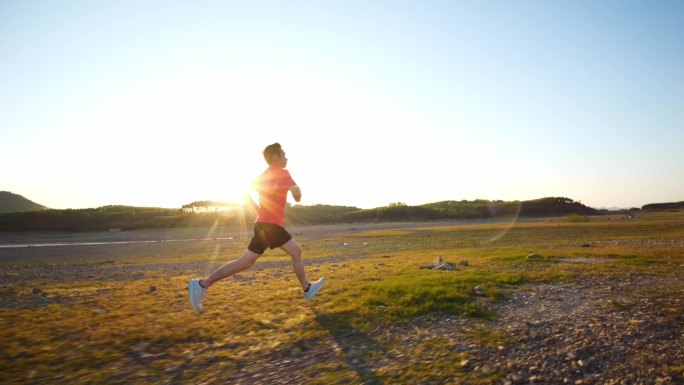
271,151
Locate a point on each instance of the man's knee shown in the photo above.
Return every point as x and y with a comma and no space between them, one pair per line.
247,260
296,253
246,264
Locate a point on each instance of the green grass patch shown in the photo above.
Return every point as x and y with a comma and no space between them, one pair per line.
412,296
488,337
576,218
638,260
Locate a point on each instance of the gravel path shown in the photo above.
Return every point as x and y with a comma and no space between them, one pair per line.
18,274
613,331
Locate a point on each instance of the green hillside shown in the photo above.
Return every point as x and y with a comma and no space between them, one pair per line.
480,208
10,203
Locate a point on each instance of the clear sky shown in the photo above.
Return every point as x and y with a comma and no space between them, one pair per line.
161,103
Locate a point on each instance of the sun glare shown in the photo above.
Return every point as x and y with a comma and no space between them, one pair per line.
200,138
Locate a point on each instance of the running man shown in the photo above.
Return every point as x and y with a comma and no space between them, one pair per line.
272,186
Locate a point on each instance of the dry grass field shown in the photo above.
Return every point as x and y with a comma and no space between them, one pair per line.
601,303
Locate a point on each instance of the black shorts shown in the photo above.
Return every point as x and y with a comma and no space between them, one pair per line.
267,235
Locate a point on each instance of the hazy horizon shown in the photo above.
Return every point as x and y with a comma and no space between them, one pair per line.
341,204
161,104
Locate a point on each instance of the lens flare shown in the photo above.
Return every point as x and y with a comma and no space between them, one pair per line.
499,210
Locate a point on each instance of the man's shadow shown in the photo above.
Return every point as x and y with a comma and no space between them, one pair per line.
358,348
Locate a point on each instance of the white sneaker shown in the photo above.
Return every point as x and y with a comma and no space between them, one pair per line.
314,288
196,294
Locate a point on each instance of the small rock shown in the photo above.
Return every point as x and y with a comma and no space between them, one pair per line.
463,263
586,245
211,358
37,291
141,346
444,266
153,289
534,256
438,264
515,378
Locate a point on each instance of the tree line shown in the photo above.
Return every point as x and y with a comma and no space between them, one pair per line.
209,213
664,206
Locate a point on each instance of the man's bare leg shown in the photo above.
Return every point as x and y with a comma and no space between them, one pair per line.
243,263
292,248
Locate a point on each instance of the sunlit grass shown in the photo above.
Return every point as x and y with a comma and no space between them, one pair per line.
121,331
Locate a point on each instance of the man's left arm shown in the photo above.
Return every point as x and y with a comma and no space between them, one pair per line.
296,192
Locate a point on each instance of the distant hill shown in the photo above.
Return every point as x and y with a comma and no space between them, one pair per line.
12,203
664,206
480,208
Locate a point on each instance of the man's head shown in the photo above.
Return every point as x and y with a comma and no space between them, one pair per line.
274,155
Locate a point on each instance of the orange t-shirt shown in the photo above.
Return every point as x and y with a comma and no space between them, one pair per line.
272,186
